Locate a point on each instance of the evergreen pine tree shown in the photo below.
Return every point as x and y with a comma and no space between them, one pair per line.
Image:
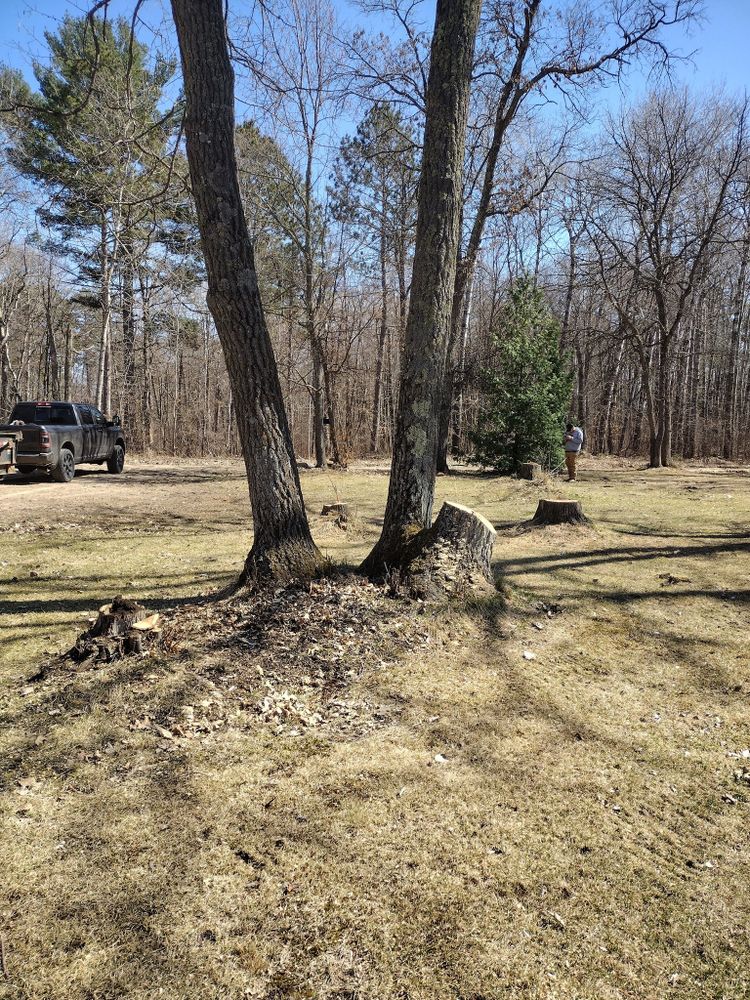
528,389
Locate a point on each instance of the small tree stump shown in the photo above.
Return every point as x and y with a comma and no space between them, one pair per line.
530,470
120,629
558,512
341,510
117,618
452,556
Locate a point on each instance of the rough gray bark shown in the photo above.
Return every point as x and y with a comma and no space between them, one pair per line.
412,485
282,544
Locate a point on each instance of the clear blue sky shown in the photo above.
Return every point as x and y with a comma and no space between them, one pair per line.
722,42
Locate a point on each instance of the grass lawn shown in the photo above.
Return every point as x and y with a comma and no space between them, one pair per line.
335,794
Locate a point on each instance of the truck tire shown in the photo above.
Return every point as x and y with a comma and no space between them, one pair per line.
65,469
116,461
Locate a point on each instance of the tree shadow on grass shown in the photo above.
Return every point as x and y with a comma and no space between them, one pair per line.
174,859
550,562
21,606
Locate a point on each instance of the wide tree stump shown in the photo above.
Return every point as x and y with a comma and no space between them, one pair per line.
558,512
530,470
121,627
341,510
451,557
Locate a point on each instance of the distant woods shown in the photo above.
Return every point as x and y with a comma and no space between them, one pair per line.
633,224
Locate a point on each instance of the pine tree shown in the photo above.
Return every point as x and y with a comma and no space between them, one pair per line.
528,389
94,137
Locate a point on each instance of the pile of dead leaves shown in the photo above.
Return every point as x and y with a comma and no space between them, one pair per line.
287,658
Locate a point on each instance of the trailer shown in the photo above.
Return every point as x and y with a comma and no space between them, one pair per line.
8,442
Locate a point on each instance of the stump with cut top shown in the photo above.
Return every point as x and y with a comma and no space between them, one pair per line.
339,509
121,627
530,470
558,512
451,557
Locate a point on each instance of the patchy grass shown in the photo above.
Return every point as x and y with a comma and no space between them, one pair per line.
465,823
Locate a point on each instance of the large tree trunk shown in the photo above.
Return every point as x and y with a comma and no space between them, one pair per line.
146,428
128,343
282,544
319,404
730,397
103,374
382,337
412,485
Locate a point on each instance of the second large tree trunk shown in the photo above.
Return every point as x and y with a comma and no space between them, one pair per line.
412,485
282,544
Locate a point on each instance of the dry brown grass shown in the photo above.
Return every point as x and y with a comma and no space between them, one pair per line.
584,837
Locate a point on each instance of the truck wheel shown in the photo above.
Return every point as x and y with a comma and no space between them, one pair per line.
65,469
116,461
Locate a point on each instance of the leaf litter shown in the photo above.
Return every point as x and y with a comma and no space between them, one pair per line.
285,659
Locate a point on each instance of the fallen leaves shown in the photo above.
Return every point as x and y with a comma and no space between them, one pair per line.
295,652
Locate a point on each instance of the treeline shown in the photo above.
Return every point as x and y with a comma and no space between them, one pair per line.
635,225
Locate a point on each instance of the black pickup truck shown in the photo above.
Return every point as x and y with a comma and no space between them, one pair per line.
58,436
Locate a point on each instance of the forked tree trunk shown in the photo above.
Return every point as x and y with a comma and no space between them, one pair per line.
282,544
412,485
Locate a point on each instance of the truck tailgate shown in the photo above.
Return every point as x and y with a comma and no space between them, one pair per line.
30,444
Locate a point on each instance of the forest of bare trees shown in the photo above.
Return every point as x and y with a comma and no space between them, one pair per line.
630,211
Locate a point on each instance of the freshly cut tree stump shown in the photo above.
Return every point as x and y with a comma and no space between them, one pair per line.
558,512
529,470
451,557
120,628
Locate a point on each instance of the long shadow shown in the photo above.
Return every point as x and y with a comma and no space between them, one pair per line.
592,557
626,596
136,476
71,604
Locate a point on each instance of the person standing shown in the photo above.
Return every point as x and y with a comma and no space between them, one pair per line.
572,442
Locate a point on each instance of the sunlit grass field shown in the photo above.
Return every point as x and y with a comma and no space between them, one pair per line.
570,824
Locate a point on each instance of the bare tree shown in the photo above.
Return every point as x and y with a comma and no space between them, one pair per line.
662,206
282,544
412,486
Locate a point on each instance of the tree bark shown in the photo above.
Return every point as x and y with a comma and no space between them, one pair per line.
282,544
412,485
738,315
128,343
382,337
319,404
451,557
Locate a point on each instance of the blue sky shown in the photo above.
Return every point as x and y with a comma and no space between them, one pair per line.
722,41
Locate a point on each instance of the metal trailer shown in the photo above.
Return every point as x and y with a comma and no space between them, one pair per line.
8,442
